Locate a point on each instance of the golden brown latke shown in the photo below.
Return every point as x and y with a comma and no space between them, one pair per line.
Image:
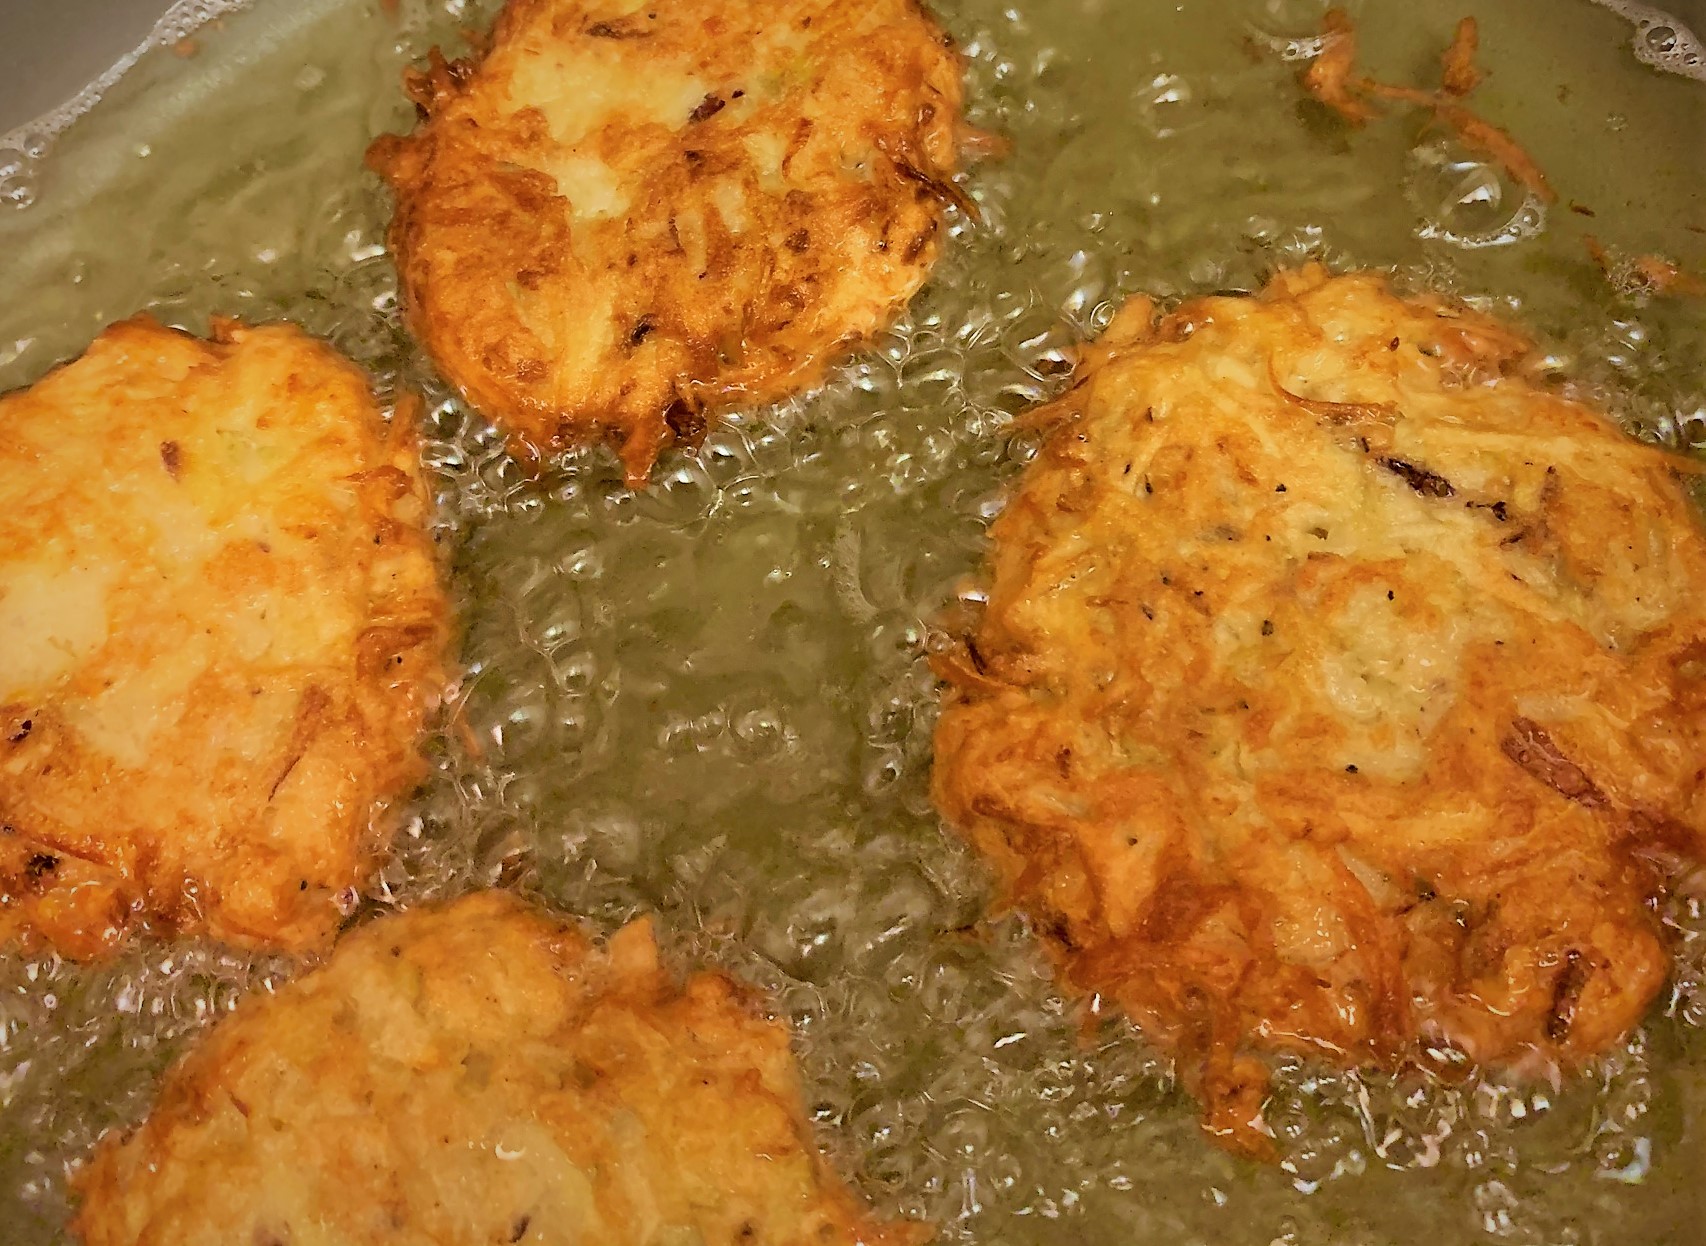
221,627
480,1073
1339,689
623,218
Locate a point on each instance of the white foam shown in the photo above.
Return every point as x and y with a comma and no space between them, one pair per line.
22,147
1661,40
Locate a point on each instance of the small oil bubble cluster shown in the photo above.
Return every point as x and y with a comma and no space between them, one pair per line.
1660,40
22,149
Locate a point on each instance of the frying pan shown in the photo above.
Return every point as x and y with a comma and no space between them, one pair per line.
882,568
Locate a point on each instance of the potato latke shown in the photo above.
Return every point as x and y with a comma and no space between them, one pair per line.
624,218
221,627
480,1073
1339,690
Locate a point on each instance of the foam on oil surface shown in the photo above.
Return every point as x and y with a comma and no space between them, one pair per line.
28,143
1660,40
711,699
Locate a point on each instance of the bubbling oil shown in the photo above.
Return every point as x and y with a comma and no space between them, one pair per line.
710,700
1660,40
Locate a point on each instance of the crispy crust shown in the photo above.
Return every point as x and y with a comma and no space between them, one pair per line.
619,219
1338,690
481,1073
224,628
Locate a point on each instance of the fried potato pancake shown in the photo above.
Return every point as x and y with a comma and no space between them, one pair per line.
622,218
481,1073
221,627
1340,690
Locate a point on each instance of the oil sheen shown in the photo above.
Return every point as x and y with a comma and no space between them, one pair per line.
710,700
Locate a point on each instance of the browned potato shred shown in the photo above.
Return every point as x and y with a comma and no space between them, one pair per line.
1332,78
1340,691
1459,74
1651,274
